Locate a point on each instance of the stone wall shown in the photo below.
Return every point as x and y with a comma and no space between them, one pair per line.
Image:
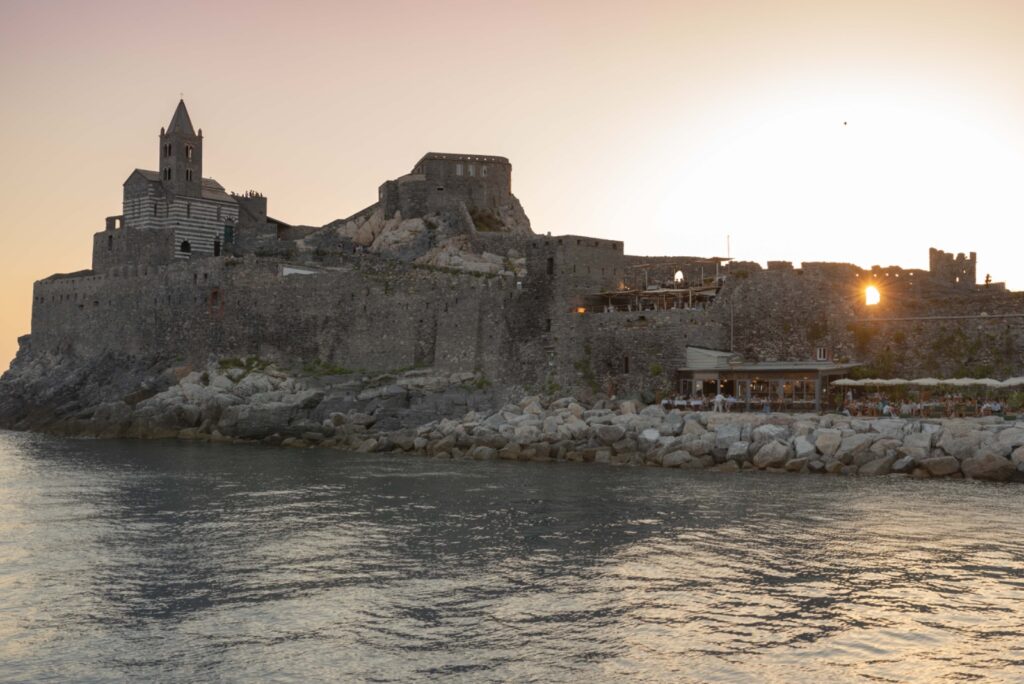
373,316
954,270
131,247
919,328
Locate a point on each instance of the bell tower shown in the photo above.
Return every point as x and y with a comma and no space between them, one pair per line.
181,155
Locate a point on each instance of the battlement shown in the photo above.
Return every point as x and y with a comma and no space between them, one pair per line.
959,270
445,156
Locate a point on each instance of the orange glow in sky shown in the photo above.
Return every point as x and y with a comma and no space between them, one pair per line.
864,131
871,295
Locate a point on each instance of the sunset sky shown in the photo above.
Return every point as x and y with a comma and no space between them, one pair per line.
669,125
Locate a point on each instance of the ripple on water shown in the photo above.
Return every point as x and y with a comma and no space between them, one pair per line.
177,562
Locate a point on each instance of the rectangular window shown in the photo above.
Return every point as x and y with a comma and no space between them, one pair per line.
472,170
821,354
551,265
188,209
547,325
458,169
625,365
483,171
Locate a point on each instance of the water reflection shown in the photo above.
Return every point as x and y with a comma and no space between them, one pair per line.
184,562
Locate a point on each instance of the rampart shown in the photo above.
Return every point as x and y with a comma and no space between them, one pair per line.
370,316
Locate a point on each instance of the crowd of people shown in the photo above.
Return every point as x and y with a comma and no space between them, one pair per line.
948,406
876,405
720,403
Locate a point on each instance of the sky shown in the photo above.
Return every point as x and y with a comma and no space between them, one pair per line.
863,132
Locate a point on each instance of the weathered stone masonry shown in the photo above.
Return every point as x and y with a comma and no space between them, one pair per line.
249,285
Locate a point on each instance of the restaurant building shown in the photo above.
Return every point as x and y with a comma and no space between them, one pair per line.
784,385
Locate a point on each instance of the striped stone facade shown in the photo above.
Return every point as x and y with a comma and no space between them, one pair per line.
177,198
199,221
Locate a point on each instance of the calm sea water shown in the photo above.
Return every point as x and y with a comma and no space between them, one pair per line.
174,562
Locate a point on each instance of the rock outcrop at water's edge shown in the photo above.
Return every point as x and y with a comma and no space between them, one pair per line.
458,416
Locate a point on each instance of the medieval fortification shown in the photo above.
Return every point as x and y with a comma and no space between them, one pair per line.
444,272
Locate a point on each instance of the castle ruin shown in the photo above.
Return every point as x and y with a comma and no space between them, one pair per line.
444,270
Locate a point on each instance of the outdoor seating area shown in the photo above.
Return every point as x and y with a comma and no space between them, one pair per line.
927,397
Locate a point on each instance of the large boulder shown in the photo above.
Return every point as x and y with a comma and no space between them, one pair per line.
725,435
943,465
804,448
1012,437
250,421
676,459
774,454
962,443
795,465
904,465
879,466
828,441
609,434
768,432
738,451
988,466
853,445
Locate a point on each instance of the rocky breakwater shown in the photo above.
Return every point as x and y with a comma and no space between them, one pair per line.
247,401
627,433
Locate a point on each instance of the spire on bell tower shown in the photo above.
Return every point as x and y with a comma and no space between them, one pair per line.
181,155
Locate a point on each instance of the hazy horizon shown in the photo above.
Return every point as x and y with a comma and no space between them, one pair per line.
804,131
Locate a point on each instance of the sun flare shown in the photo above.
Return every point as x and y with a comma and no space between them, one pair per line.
872,296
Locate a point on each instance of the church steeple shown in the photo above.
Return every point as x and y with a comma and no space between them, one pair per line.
181,155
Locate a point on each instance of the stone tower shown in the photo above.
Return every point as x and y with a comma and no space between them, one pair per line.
181,155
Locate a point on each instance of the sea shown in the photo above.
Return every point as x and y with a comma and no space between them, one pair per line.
129,561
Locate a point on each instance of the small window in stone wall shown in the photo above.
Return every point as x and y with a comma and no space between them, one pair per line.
625,365
188,209
547,325
216,248
483,171
188,174
110,243
186,247
458,169
821,354
188,153
551,265
472,170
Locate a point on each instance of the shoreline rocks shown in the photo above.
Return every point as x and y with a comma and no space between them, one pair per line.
456,416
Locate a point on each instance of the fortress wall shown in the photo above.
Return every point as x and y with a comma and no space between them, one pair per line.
627,353
374,319
787,315
131,247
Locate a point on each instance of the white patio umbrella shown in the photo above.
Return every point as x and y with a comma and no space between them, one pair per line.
926,382
1013,382
846,382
